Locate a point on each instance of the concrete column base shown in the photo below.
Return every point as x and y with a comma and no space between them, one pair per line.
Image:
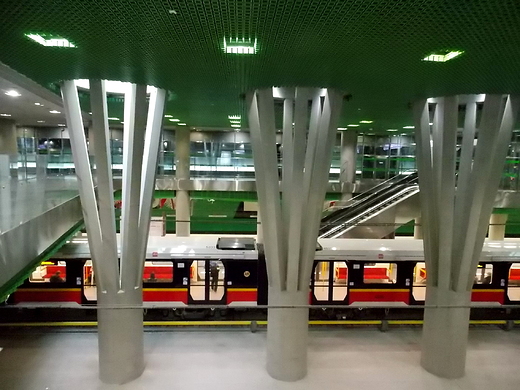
287,334
445,333
121,345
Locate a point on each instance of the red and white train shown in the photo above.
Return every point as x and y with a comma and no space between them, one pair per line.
208,270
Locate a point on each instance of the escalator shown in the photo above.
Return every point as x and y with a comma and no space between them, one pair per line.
374,209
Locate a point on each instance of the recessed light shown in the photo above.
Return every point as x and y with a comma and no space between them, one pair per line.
40,121
181,124
5,114
113,118
174,120
55,112
50,40
353,125
13,93
168,116
443,56
366,121
408,127
38,104
239,46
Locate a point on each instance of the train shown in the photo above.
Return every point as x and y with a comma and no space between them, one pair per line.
349,275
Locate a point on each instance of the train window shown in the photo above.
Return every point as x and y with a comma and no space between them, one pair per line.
339,287
49,272
513,289
380,273
484,274
419,282
158,272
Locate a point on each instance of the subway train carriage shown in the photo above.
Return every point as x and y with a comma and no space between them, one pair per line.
211,270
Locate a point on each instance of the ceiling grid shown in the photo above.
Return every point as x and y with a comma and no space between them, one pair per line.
371,49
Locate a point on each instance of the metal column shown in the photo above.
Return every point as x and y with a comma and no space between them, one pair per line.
119,280
290,224
456,203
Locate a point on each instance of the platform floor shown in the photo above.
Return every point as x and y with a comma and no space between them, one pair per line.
364,359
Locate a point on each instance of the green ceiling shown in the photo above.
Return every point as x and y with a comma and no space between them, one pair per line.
370,49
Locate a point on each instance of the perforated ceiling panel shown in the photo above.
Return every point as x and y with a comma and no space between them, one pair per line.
370,49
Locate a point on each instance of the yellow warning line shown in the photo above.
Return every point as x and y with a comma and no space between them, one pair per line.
240,323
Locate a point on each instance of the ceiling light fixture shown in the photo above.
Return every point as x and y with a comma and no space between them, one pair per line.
408,127
62,124
234,121
353,125
443,56
174,120
40,121
5,114
239,46
234,117
13,93
392,130
50,40
181,124
366,121
168,116
235,125
342,128
55,112
113,118
38,104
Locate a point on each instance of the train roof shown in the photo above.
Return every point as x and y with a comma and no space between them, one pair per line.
403,249
205,247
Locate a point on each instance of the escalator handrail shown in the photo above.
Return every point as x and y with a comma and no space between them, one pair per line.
369,196
402,194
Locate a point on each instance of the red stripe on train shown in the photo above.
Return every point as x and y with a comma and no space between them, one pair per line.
242,295
379,296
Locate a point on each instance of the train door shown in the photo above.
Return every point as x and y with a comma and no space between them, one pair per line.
207,282
89,283
329,282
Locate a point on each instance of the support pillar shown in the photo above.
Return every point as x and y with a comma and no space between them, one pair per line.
287,334
290,223
417,229
497,227
182,173
118,277
8,149
347,175
456,204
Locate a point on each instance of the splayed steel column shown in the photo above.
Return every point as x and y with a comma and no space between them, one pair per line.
456,203
118,279
290,224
